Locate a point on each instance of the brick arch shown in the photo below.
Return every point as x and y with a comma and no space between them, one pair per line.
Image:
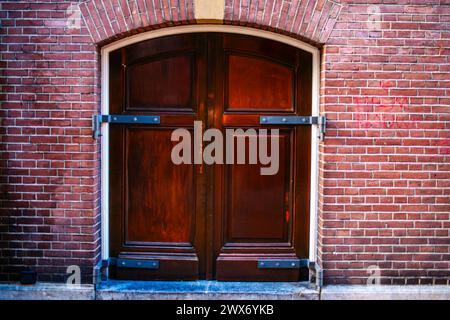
108,20
309,20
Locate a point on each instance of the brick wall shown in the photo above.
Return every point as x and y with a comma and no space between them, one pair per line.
385,196
384,165
49,164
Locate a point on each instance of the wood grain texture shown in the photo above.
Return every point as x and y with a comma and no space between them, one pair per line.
161,84
216,221
260,217
157,207
256,84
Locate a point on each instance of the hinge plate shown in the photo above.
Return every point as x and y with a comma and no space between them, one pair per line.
296,120
288,120
134,263
282,263
97,120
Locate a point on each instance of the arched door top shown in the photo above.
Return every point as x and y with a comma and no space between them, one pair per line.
110,20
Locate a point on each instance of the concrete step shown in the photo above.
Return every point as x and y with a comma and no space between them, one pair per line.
46,291
205,290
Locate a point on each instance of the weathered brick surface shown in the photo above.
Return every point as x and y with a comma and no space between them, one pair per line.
385,173
384,165
49,176
108,20
311,21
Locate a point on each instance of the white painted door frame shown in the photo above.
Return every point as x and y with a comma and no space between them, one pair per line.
207,28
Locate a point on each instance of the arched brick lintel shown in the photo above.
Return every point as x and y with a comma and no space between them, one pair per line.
309,20
109,20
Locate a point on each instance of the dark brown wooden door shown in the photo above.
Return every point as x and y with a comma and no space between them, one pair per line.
157,207
261,216
208,221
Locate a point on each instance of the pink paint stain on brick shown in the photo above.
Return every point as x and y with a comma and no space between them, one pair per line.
380,112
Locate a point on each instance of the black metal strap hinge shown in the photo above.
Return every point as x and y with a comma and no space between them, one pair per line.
131,263
97,120
282,263
296,120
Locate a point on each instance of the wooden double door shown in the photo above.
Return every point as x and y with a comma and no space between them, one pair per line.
199,221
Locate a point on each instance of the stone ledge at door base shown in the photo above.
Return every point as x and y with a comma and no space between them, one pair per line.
216,290
204,290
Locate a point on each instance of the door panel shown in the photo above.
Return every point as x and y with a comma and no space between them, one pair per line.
171,220
161,84
250,204
257,84
208,221
260,217
157,208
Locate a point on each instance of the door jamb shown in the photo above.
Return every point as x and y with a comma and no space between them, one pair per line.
208,28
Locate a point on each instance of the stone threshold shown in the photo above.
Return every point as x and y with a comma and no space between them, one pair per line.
161,290
204,290
214,290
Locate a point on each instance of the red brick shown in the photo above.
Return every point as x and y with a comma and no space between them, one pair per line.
384,162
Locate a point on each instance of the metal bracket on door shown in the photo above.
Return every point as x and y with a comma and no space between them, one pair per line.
315,272
282,263
97,120
296,120
132,263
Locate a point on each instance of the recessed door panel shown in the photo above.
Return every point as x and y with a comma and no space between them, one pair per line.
154,187
258,84
257,206
161,84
